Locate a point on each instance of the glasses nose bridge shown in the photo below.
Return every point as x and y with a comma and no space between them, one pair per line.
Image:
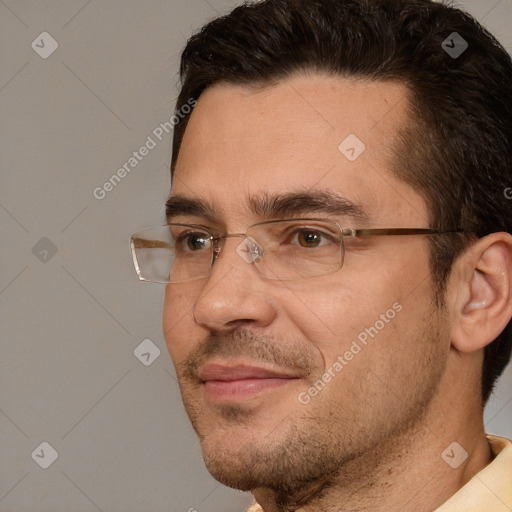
220,241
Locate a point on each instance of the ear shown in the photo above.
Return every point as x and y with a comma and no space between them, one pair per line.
481,292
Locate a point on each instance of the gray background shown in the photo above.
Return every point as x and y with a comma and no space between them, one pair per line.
71,319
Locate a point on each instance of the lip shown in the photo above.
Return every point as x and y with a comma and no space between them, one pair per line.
228,383
224,372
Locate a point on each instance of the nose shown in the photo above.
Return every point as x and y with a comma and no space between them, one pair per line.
234,295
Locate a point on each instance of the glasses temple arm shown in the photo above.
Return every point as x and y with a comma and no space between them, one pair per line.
359,233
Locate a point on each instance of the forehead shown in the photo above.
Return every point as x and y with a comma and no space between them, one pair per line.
308,132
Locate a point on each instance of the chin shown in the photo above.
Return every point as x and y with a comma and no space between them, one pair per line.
230,459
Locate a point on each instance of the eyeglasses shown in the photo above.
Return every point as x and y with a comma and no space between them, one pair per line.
283,250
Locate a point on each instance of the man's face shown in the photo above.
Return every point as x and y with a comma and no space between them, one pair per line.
344,362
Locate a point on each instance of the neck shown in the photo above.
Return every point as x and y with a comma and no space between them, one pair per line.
406,473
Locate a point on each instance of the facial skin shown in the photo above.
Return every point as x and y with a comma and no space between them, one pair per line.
369,437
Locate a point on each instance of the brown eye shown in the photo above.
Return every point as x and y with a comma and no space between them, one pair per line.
191,242
309,239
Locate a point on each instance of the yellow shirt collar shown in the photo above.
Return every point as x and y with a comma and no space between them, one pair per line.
491,488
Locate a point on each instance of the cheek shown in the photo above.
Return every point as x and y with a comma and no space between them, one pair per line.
177,322
331,315
359,307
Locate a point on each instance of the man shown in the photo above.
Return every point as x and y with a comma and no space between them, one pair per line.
338,258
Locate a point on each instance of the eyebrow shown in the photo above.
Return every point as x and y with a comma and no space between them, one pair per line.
274,206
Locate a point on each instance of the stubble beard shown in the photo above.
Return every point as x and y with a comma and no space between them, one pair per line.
319,445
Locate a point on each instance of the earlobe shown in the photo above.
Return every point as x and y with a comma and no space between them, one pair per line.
483,305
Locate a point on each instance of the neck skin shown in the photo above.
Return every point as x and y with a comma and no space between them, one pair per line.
408,472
